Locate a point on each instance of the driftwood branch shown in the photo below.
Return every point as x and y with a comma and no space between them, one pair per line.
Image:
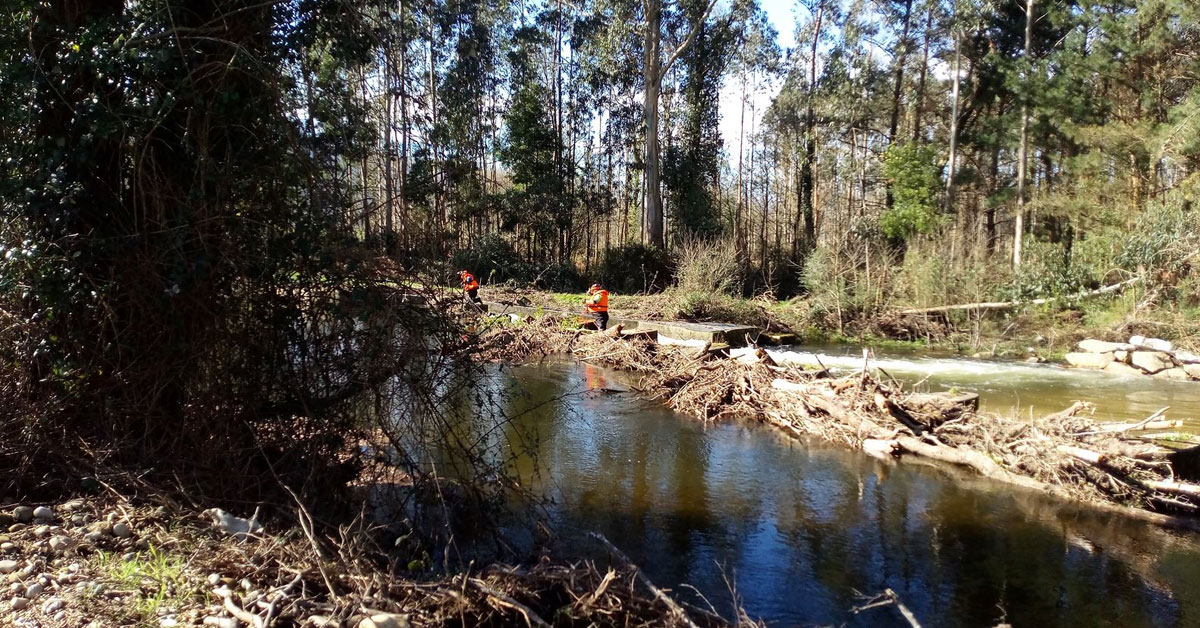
1009,305
658,593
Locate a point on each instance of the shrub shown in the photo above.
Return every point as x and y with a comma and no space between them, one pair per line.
492,260
912,172
634,268
708,266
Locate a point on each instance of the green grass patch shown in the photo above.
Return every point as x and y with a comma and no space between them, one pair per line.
158,575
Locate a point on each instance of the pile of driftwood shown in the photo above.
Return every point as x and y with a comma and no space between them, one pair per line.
1066,454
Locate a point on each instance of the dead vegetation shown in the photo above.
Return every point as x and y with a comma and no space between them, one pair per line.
1065,454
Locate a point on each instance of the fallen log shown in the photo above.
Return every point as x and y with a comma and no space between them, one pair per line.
1171,486
1009,305
1079,453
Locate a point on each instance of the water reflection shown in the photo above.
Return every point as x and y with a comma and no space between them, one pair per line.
799,529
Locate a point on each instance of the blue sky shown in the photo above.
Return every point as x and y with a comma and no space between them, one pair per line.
782,14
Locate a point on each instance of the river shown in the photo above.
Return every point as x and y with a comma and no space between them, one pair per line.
799,529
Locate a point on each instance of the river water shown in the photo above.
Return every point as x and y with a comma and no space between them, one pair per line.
800,529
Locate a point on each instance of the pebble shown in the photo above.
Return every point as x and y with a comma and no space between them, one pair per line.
121,530
7,546
23,514
34,590
129,556
73,505
214,579
73,568
16,588
8,566
93,536
221,622
19,603
168,622
78,519
16,527
41,532
43,512
53,604
61,543
384,620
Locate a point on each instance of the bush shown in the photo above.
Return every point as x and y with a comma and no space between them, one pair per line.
634,268
559,278
492,260
708,266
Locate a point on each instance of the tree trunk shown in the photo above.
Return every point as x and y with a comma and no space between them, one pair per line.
1023,151
919,108
804,188
951,164
652,215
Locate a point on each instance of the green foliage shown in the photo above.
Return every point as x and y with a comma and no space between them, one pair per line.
1047,271
491,259
634,268
913,174
1167,236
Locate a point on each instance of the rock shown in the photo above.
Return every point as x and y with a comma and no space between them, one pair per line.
384,620
44,513
19,603
34,590
1089,360
129,557
61,543
53,604
16,588
1187,357
1193,370
41,532
78,519
103,527
1099,346
1158,344
221,622
8,566
93,536
321,621
1120,368
121,530
72,506
23,514
1176,373
1122,356
214,579
233,525
16,527
168,622
7,546
1151,361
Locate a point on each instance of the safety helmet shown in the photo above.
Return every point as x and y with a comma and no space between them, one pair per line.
462,272
595,286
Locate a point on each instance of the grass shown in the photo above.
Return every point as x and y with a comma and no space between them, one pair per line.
159,577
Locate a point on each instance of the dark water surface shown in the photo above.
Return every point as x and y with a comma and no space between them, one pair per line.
798,529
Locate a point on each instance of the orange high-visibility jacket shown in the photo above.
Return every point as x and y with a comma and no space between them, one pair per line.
597,301
468,282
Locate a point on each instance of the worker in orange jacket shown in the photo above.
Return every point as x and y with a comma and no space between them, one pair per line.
596,303
470,287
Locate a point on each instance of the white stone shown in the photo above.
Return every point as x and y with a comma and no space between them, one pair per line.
1120,368
41,532
1192,370
1175,374
43,512
1122,356
93,536
121,530
23,514
8,566
1099,346
1089,360
1187,357
384,620
221,622
19,603
61,543
1158,344
53,604
7,546
34,590
1151,361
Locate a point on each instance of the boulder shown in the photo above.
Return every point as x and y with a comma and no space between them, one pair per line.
1099,346
1122,356
23,514
1175,373
1153,344
1089,360
1151,361
1187,357
1192,370
1120,368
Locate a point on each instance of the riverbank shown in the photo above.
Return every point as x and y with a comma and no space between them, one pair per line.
1040,333
1065,454
100,562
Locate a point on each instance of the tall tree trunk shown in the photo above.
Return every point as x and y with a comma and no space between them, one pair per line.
901,59
1023,150
919,109
804,187
952,162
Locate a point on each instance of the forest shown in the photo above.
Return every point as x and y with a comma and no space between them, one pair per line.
230,231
